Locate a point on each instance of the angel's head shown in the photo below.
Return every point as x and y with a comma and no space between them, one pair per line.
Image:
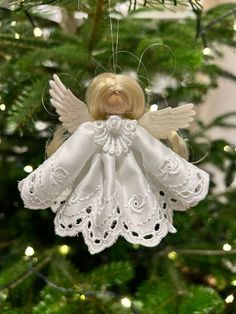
116,94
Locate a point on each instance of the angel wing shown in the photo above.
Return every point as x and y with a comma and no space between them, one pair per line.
71,110
161,123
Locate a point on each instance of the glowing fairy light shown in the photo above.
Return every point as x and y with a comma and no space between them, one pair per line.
125,302
206,51
37,32
233,282
148,91
227,148
28,168
234,27
40,125
172,255
13,23
2,107
227,247
3,295
17,36
64,249
29,251
82,297
154,107
229,298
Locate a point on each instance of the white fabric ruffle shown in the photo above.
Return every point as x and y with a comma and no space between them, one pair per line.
112,178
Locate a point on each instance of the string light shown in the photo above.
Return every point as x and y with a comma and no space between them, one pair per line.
37,32
154,107
17,36
172,255
234,27
125,302
227,148
148,91
13,23
2,107
227,247
82,297
207,51
40,125
29,251
233,282
64,249
3,295
12,7
229,298
28,168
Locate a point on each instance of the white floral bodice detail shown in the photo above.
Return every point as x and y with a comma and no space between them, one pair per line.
115,135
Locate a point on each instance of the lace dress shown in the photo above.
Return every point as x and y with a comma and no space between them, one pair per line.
112,178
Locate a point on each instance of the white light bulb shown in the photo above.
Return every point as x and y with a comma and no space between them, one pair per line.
82,297
64,249
126,302
172,255
28,168
229,298
37,32
234,27
2,107
29,251
206,51
227,148
13,23
17,36
233,283
154,107
40,125
227,247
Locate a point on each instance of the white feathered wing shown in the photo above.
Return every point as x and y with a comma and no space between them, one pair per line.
71,110
161,123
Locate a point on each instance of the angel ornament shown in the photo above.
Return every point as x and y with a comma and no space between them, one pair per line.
113,176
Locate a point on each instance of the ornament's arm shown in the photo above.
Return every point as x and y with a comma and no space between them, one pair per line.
187,183
58,172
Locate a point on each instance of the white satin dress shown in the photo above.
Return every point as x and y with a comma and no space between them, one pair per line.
112,178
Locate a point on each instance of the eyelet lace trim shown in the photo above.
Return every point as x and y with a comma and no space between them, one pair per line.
33,191
143,219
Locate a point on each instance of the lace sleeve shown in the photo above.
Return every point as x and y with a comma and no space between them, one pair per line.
41,187
186,183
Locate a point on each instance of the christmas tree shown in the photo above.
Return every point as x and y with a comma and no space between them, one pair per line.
192,271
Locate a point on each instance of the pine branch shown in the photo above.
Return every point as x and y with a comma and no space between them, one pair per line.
201,299
10,41
107,275
23,276
217,20
27,104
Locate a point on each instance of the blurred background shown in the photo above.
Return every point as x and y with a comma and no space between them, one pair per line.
190,57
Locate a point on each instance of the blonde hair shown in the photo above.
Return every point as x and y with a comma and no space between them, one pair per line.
178,145
59,137
117,94
111,93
